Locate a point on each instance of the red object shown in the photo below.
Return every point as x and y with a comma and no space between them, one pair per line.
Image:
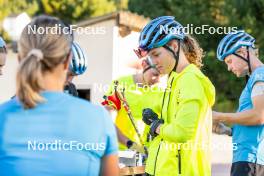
105,103
112,100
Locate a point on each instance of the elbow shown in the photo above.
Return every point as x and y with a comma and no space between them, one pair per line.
260,121
177,134
179,137
259,118
186,136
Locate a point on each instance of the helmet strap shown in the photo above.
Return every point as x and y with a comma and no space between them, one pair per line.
247,60
150,65
175,55
146,69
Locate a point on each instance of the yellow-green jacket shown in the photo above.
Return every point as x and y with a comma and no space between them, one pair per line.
183,145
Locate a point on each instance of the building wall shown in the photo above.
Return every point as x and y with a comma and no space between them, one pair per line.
124,57
7,80
110,56
99,50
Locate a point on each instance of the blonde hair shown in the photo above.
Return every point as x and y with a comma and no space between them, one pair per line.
38,54
192,50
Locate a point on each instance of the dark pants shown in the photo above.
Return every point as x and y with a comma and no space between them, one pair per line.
242,168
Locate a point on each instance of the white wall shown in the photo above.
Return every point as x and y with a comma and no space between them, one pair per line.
99,50
7,80
109,56
124,55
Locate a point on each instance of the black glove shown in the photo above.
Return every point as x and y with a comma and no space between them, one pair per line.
134,146
148,116
129,143
154,125
151,118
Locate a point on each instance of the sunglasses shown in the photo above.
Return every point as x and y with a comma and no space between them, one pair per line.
141,53
150,65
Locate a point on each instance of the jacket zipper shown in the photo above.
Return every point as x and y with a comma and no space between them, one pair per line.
179,161
157,157
164,95
179,150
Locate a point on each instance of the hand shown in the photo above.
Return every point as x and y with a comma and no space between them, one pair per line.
134,146
155,127
112,101
148,116
220,128
139,148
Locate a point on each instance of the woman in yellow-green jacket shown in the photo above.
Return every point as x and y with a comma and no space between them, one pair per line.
182,133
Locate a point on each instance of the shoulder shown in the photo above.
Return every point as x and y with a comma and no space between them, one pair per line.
9,106
189,78
257,76
81,104
92,113
128,79
195,85
189,86
86,112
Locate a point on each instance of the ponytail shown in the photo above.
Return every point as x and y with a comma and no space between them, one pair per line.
29,79
192,50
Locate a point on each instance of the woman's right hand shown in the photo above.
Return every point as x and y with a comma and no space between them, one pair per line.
220,128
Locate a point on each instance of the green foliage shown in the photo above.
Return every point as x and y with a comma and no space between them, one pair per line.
15,7
69,11
76,10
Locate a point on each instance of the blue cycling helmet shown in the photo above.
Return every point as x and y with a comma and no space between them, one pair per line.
154,36
232,42
157,33
2,43
79,62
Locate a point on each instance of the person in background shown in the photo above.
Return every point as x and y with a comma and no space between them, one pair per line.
44,131
237,50
141,91
78,66
3,52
